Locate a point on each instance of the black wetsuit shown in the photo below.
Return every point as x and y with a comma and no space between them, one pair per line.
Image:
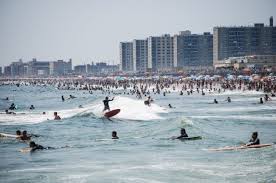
106,104
40,147
254,142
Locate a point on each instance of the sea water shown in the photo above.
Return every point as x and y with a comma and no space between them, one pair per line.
144,152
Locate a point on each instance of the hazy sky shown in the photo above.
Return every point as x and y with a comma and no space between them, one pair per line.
90,30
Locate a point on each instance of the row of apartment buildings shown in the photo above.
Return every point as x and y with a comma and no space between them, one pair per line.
100,68
55,68
186,50
38,68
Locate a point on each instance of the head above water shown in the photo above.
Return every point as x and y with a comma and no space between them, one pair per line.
24,132
32,144
106,98
255,135
18,132
114,134
55,113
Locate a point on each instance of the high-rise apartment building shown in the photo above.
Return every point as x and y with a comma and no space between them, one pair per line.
193,50
241,41
160,53
126,56
140,55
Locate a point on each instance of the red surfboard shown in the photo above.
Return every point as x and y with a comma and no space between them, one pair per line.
109,114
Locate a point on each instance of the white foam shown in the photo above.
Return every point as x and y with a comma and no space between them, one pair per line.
131,109
239,92
26,117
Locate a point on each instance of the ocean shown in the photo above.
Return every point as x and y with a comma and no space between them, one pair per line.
144,151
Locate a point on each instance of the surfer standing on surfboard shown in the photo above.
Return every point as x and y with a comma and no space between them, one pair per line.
106,103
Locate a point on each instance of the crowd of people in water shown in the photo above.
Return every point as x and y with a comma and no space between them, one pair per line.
143,89
27,138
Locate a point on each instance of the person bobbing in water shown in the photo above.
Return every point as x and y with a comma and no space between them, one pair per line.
56,116
114,135
25,136
254,139
106,103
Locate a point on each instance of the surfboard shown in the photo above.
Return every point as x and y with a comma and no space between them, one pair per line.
109,114
8,135
240,147
187,138
25,150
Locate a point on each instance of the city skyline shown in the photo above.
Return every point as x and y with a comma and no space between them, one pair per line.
91,30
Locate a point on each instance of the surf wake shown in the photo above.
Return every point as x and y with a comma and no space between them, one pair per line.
131,109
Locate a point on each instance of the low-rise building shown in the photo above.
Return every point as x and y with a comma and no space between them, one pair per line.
60,67
250,61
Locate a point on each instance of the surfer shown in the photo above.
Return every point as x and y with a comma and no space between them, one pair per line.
254,139
261,101
114,135
12,107
71,97
106,103
170,106
215,101
35,147
57,117
18,134
32,107
147,102
62,98
183,134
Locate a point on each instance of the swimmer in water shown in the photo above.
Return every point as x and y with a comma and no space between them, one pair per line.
57,117
32,107
228,99
71,97
254,139
267,97
24,136
35,146
114,135
261,101
215,101
18,134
